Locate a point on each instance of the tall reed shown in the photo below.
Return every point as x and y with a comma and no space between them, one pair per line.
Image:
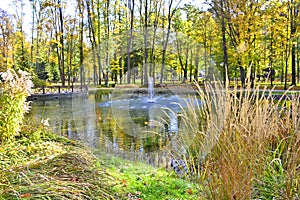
242,143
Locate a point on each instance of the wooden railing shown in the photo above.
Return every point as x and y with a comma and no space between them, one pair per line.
60,89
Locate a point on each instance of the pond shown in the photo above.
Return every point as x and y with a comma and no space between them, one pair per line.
126,125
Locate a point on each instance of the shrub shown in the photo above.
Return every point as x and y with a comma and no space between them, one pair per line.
38,82
13,105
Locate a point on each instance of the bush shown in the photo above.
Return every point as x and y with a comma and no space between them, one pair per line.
13,105
39,83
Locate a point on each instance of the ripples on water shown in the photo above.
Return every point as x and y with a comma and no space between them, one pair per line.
115,130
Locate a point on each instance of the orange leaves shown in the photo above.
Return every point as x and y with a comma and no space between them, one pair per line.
25,195
189,191
124,183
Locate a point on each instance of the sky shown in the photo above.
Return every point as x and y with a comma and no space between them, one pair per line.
5,5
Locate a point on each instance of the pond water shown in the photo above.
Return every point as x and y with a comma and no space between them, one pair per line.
125,125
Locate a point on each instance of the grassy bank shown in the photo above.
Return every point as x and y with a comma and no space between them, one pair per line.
42,166
141,181
51,167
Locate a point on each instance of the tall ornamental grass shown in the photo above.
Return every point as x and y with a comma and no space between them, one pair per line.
16,87
242,143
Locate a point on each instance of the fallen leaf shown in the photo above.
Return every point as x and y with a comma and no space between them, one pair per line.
25,195
189,191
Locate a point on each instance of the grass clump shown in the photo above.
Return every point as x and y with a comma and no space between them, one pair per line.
51,168
242,144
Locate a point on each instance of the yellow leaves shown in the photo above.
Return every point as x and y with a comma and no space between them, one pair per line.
10,62
19,35
116,31
243,46
46,4
52,59
52,41
58,34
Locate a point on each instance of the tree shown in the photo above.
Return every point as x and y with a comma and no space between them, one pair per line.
171,12
294,10
6,40
131,5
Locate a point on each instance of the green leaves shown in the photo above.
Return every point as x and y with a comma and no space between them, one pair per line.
13,103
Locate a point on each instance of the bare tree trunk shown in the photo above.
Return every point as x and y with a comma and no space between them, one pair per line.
298,63
271,57
166,43
129,44
191,66
152,64
32,31
286,56
70,54
62,58
185,71
82,76
170,16
197,66
100,70
294,14
93,41
107,40
145,70
225,56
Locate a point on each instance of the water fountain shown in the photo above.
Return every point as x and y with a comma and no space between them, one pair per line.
131,123
151,90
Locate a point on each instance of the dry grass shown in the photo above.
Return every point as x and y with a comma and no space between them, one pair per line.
56,169
243,144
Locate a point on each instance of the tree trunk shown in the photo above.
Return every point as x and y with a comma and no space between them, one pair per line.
93,41
166,42
152,64
146,45
100,68
131,7
225,56
191,67
82,76
62,56
293,33
242,74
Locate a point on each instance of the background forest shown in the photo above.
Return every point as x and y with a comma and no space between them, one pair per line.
126,41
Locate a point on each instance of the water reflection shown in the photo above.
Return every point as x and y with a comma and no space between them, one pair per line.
74,118
92,121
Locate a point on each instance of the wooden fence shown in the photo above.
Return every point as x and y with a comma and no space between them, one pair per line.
60,89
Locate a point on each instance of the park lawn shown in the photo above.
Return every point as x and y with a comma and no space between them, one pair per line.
46,166
141,181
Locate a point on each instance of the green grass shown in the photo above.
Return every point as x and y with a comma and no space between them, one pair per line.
140,180
45,166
